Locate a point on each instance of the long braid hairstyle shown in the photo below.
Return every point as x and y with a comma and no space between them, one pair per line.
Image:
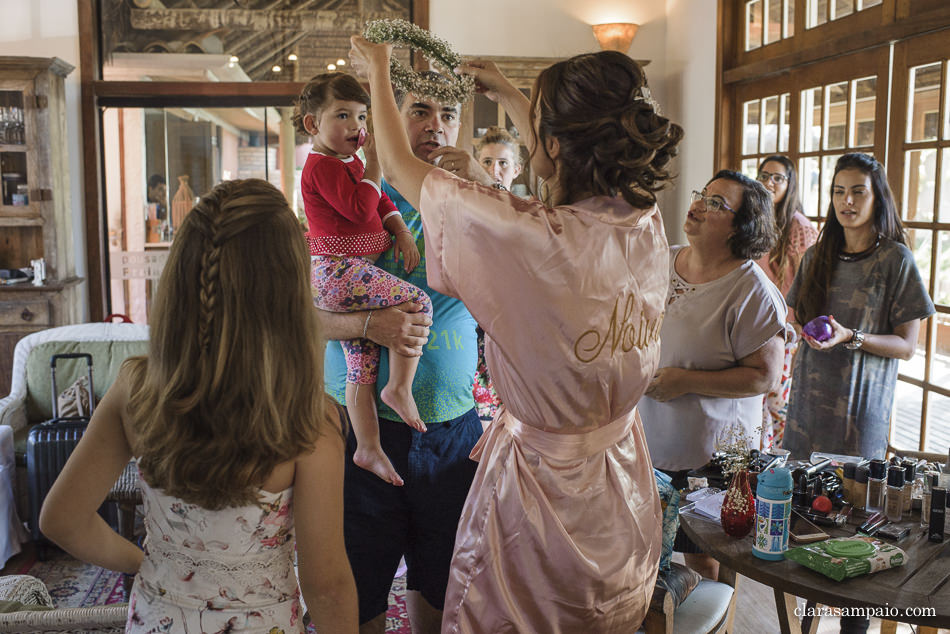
613,141
232,385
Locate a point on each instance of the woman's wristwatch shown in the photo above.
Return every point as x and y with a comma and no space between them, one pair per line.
857,340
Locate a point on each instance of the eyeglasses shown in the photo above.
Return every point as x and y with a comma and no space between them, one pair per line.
776,179
711,204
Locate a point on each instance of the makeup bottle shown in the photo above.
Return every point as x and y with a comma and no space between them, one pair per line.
847,481
930,481
893,506
877,471
938,508
910,475
859,495
945,473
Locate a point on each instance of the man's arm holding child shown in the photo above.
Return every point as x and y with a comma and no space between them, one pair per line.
401,328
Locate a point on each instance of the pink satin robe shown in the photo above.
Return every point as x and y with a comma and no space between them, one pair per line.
561,528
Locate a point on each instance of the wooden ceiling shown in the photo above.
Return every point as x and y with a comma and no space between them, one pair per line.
260,33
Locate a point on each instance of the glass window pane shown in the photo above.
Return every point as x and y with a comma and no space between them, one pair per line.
827,173
944,214
750,117
811,120
864,4
946,108
188,151
836,104
841,8
808,183
785,117
770,125
938,413
920,241
790,18
864,96
817,13
750,167
919,184
905,430
753,24
941,292
773,12
12,122
923,98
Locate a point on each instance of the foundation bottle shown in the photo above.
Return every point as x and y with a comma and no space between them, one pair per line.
877,472
930,481
859,495
910,476
847,481
894,504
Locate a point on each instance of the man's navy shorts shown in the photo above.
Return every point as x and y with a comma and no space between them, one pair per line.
383,523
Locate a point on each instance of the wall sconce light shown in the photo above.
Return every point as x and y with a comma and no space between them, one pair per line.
616,36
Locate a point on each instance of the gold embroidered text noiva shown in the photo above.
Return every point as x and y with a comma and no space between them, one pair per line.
624,332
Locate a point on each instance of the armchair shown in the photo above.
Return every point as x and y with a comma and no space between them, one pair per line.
29,401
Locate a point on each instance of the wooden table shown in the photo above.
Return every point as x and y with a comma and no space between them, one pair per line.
922,582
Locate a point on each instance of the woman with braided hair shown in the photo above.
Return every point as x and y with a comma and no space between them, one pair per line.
239,458
561,528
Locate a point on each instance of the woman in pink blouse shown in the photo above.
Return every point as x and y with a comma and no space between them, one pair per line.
561,529
796,234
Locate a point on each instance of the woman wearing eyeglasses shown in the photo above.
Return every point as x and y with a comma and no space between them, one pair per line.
722,339
795,235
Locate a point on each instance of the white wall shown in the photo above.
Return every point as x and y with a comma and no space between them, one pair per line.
678,38
690,82
50,28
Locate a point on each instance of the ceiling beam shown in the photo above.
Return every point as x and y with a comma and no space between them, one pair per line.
249,20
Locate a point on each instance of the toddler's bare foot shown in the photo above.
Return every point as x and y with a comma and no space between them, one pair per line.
403,404
376,461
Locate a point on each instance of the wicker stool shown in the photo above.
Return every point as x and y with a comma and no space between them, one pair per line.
126,494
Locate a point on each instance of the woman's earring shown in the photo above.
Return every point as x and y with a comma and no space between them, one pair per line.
544,191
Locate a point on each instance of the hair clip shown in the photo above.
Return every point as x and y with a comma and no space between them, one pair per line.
644,95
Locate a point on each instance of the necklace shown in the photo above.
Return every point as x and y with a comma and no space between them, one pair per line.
854,257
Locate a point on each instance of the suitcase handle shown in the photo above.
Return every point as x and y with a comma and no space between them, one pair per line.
52,371
70,355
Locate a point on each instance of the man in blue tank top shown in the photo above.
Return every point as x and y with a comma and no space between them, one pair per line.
418,521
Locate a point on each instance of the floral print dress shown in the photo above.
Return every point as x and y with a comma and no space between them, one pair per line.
230,570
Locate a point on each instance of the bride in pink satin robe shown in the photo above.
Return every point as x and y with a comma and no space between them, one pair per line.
561,529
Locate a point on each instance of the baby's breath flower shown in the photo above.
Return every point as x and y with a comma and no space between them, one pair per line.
402,33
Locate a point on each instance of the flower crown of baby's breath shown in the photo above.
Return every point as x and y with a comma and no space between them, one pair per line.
457,89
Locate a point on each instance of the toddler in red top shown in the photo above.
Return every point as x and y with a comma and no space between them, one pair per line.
350,222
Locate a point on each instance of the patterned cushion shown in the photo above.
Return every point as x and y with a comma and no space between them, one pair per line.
669,505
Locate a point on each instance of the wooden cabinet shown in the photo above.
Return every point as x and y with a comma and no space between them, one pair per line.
35,212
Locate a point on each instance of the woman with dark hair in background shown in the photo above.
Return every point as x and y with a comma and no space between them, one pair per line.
795,235
564,472
722,336
863,277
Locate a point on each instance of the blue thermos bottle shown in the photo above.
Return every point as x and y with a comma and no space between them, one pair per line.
773,508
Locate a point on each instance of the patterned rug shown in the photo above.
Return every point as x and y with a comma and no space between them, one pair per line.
74,584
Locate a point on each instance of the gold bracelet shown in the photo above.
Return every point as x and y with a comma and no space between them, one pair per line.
366,324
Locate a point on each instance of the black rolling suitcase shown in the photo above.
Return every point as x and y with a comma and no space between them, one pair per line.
49,444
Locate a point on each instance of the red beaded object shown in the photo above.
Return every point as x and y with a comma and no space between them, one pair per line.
738,507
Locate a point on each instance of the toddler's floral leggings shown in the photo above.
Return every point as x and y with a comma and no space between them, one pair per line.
350,283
